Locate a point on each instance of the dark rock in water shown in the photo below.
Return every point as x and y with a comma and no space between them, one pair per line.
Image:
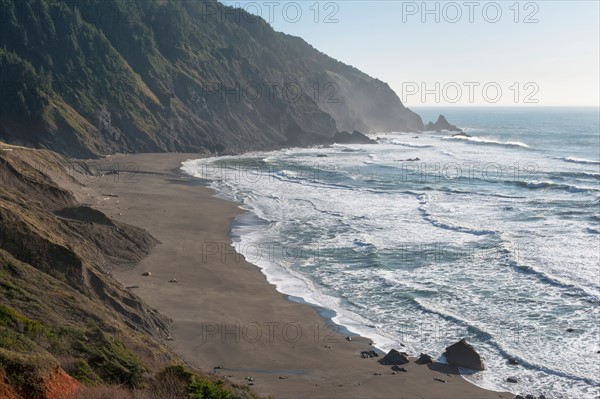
398,368
408,160
321,156
529,397
355,137
441,124
424,359
542,397
461,134
513,380
394,357
513,361
462,354
570,330
519,397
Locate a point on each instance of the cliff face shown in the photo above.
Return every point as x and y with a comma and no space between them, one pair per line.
86,78
43,225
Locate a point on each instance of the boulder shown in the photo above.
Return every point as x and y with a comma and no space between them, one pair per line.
441,124
512,380
368,354
462,354
394,357
398,368
424,358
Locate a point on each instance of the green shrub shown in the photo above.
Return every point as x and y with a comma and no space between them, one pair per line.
84,373
24,371
202,388
15,341
195,386
10,318
111,360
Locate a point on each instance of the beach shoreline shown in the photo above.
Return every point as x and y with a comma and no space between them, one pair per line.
227,318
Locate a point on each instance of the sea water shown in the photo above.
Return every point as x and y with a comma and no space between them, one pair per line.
427,238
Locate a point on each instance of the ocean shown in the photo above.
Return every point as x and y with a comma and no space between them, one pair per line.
425,238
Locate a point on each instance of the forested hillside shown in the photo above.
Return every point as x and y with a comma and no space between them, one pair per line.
89,77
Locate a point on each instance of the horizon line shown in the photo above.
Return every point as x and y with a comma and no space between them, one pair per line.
498,106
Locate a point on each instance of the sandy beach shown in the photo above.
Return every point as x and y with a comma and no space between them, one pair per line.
225,314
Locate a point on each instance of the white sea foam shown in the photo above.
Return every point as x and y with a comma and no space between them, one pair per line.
581,161
486,141
510,262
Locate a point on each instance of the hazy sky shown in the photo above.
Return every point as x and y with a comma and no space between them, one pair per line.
477,52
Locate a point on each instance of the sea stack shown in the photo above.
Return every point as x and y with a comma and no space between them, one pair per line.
441,124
